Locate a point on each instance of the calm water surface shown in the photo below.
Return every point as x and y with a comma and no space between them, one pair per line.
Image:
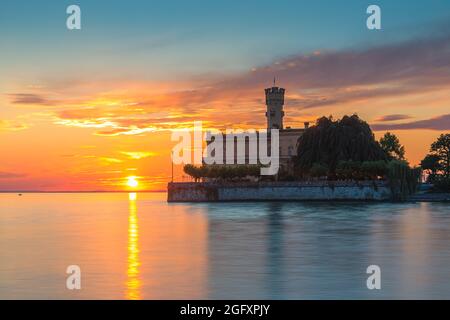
137,246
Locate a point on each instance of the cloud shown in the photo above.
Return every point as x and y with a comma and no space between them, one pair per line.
393,117
11,175
29,98
439,123
316,80
110,160
9,125
328,78
137,155
124,131
408,62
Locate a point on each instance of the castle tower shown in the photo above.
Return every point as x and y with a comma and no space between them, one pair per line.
274,102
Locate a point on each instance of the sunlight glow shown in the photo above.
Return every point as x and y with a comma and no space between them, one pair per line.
132,196
133,283
132,182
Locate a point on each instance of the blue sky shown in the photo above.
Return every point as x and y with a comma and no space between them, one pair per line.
184,38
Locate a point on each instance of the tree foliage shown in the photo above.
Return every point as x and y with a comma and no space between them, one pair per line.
222,172
437,163
441,149
330,142
367,170
318,170
431,164
402,179
392,147
195,172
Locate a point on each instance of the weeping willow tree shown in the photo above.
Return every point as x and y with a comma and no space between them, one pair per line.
330,142
403,179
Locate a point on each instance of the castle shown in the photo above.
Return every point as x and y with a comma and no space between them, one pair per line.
288,136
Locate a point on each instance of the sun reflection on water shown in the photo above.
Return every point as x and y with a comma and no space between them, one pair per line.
133,291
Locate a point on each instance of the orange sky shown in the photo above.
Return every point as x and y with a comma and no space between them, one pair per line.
86,110
95,142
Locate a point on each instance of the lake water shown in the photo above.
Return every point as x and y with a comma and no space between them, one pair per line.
137,246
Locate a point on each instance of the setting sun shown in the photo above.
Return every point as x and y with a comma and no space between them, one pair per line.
132,182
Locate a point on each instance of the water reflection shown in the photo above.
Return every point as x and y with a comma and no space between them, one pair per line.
133,282
220,250
173,250
275,249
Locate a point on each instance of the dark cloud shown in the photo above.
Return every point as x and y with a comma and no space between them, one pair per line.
329,78
29,98
393,117
439,123
321,79
10,175
416,59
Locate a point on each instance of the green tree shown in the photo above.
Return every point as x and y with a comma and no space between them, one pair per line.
193,171
348,170
318,170
222,172
374,169
431,164
391,145
441,148
354,170
402,179
329,142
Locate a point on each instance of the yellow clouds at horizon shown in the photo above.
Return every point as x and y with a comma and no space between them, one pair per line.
137,155
110,160
9,125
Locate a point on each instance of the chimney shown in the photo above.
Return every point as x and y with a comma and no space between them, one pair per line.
306,125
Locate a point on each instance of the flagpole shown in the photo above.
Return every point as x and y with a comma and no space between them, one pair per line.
171,159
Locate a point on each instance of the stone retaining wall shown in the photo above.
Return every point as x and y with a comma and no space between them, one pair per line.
272,191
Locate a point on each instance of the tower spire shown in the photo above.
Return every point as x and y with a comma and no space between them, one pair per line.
274,81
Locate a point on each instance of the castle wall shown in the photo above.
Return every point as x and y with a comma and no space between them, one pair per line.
273,191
